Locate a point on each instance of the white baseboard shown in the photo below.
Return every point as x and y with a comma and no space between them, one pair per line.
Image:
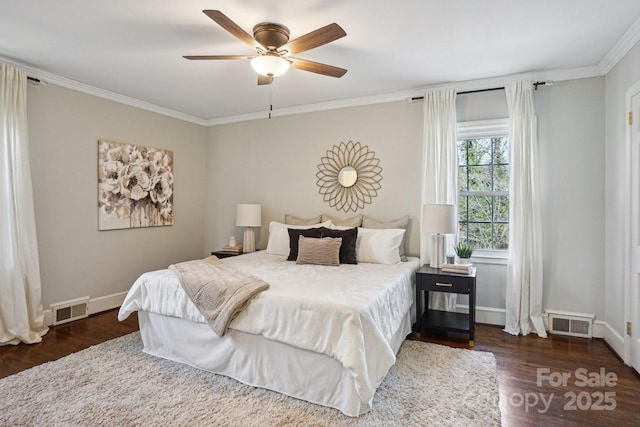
48,317
611,337
96,305
601,329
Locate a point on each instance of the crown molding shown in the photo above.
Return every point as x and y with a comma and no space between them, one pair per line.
405,95
312,108
555,75
102,93
122,99
621,47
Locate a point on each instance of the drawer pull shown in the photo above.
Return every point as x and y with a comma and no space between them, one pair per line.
444,285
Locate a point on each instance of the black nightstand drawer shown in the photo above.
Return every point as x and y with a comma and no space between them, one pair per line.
434,282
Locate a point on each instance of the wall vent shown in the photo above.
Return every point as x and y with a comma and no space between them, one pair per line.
575,325
68,311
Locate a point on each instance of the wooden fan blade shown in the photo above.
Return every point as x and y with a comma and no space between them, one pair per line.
226,23
316,67
197,57
316,38
264,80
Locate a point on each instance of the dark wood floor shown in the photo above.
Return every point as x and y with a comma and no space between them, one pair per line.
523,361
522,401
65,339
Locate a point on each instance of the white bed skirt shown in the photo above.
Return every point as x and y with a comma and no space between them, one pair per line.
299,373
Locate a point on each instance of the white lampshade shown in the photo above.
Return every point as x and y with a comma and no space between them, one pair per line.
248,215
438,219
270,65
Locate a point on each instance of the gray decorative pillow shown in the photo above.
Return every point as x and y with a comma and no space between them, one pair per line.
348,254
294,237
323,251
368,222
294,220
354,221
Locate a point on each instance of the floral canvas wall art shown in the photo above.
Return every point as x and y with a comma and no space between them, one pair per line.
135,186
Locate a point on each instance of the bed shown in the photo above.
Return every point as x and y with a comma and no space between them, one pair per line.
327,335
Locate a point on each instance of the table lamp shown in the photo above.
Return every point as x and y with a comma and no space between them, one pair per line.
248,215
438,219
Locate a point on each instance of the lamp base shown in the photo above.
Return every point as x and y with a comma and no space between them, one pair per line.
437,251
249,240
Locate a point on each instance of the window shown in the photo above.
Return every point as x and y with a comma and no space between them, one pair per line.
483,182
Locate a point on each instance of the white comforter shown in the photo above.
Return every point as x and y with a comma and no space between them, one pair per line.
348,312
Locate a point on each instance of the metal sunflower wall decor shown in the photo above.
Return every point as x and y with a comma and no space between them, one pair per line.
349,176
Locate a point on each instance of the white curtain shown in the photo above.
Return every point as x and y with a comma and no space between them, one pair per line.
439,171
21,314
524,269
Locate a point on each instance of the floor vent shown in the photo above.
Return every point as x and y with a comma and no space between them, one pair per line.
575,325
69,311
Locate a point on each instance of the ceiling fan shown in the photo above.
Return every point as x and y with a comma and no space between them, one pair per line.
271,42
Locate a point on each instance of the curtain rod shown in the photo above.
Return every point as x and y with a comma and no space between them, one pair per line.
535,85
418,98
36,81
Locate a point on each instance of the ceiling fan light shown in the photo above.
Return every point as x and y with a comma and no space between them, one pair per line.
270,65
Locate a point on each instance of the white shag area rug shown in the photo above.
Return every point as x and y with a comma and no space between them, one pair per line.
116,384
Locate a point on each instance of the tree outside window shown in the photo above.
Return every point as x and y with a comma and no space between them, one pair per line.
483,179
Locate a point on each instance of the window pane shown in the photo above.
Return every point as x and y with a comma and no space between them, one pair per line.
462,232
501,178
500,150
462,178
480,235
501,208
462,152
462,208
479,151
479,178
484,168
480,208
501,236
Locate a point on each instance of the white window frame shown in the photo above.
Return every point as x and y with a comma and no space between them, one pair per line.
486,129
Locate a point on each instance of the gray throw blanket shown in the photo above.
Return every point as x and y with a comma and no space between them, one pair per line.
220,292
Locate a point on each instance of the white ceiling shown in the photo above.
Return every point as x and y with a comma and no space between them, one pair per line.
133,49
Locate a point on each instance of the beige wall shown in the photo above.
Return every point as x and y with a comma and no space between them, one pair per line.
571,144
274,163
75,258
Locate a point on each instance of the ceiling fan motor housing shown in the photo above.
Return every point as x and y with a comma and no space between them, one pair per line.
271,36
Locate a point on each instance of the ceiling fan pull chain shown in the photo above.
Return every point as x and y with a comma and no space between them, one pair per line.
270,101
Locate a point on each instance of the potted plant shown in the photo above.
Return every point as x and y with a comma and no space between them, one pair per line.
464,251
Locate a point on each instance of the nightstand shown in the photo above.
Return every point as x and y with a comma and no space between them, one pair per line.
225,254
434,279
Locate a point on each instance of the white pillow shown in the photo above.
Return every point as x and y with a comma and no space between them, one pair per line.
379,246
278,243
339,227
